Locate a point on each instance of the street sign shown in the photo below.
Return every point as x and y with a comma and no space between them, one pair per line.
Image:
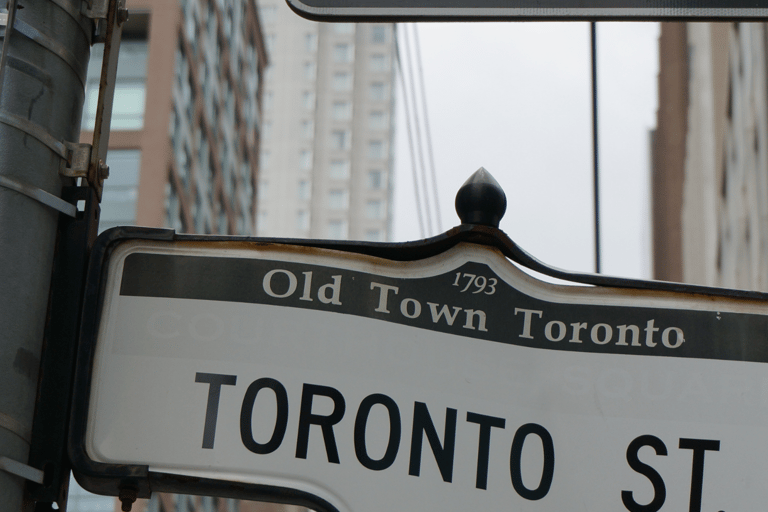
435,376
476,10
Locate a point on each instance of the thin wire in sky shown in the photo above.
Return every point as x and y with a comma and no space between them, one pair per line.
414,170
406,47
427,131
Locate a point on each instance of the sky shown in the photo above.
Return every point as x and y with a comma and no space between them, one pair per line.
516,99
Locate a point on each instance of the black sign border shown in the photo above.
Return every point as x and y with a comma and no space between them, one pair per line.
111,479
528,10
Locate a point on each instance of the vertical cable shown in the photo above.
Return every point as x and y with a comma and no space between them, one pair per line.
417,129
596,176
414,170
427,131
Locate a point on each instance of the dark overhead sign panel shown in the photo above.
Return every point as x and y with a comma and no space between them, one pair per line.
490,10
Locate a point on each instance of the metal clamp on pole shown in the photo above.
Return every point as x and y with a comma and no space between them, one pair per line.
22,470
39,195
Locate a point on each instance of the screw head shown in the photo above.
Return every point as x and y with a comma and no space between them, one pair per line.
127,497
103,170
481,200
122,15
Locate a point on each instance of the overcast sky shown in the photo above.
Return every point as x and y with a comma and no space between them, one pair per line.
515,98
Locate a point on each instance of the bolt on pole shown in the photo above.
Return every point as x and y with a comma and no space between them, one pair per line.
45,57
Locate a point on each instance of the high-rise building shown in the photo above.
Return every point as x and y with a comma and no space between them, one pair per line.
327,146
710,165
184,144
186,120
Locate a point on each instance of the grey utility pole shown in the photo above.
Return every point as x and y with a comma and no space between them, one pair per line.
45,51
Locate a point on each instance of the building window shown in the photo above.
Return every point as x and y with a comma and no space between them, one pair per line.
261,221
375,180
343,52
118,201
342,110
304,190
374,210
377,120
269,42
268,13
339,169
310,42
267,101
308,100
378,91
339,139
379,62
344,28
337,229
307,129
310,71
376,150
373,235
264,160
302,220
266,130
263,191
337,199
130,87
342,81
128,105
305,159
173,215
379,34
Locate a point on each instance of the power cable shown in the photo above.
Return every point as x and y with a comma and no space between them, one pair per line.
422,168
414,171
428,133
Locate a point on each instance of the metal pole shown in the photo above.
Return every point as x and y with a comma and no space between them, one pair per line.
596,176
41,101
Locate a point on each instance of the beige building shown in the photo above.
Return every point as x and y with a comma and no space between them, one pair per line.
327,146
710,157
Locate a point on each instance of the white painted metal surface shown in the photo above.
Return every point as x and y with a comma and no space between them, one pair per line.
453,383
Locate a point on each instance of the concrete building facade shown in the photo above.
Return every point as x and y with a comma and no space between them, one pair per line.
710,165
327,149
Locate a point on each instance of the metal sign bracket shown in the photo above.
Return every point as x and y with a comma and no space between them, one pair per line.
110,16
48,434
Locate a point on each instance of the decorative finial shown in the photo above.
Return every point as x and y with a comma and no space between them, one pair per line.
481,200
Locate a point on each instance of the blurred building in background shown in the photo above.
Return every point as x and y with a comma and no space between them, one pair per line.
710,155
186,121
184,145
327,145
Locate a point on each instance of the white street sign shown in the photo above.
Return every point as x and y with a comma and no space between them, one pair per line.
452,383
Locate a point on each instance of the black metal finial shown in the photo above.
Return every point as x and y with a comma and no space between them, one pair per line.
481,200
